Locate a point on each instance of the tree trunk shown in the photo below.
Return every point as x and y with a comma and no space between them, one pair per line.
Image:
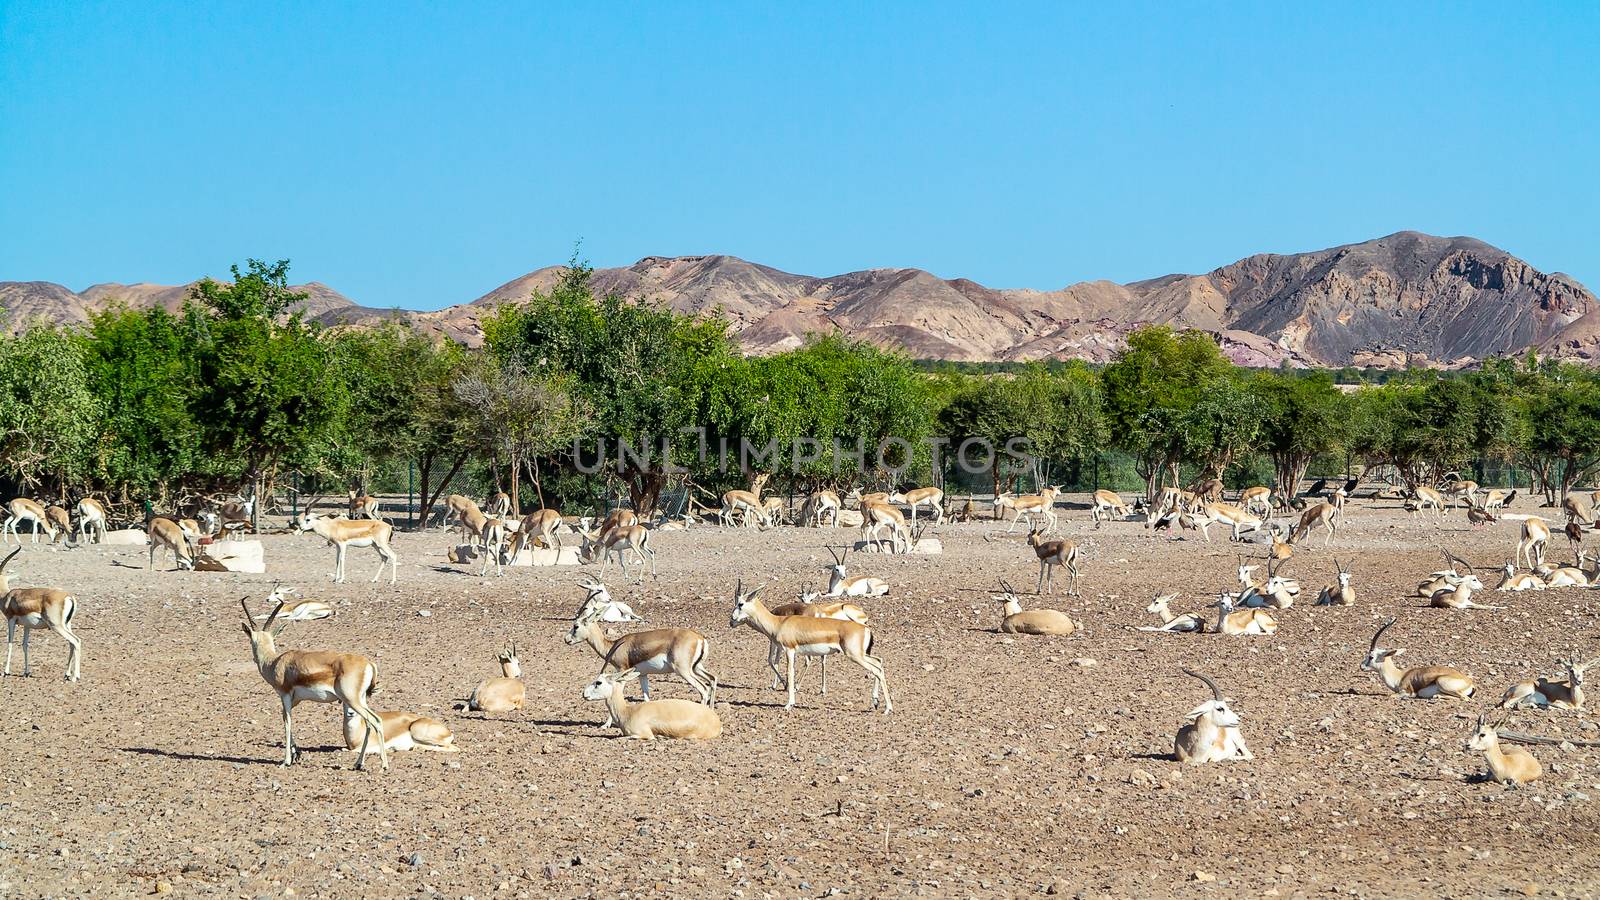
538,486
644,490
516,487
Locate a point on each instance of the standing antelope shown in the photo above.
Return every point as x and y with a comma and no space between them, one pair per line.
1324,514
745,503
1507,765
1041,504
875,517
1052,554
1256,498
541,526
1426,498
91,517
1106,505
1234,621
503,693
1015,620
810,636
1498,499
1463,492
1211,731
32,608
617,542
1535,535
915,498
61,520
841,585
363,506
1339,593
24,510
1551,693
456,507
1190,623
820,506
658,651
166,534
499,505
1421,682
1232,516
343,534
318,676
808,606
401,731
653,718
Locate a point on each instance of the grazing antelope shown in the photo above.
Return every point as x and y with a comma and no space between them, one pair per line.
1014,620
456,507
1256,498
808,606
1041,504
1234,621
1052,554
775,511
166,534
49,608
1323,514
658,651
401,731
1232,516
542,526
1463,492
745,504
24,510
1108,505
1208,491
1535,535
1507,765
1420,682
499,505
875,517
61,521
91,517
811,636
342,534
915,498
617,542
821,506
1211,731
1510,580
1428,498
363,506
1189,623
318,676
1551,693
840,585
1340,593
503,693
1498,499
651,719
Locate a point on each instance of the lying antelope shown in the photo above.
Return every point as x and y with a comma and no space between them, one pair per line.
1190,623
931,496
597,598
810,636
1507,765
617,542
1051,554
503,693
320,676
1340,593
342,534
296,610
651,719
1511,580
1108,505
1015,620
1278,593
24,510
401,731
1233,621
1421,682
1324,514
841,585
91,518
48,608
1579,575
1551,693
165,534
1211,731
1459,594
658,651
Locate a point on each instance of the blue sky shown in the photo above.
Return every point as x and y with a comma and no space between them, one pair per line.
420,155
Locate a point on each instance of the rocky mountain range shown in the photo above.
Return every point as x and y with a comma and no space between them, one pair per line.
1404,299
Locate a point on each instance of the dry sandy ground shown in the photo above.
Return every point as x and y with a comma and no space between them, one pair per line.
1007,768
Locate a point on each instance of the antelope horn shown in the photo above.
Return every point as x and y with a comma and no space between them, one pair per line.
1463,562
835,554
1215,691
14,553
274,617
1381,629
1006,586
243,603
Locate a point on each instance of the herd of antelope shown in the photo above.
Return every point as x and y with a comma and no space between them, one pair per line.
835,622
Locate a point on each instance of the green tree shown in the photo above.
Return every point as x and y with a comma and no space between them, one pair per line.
48,413
1302,417
522,415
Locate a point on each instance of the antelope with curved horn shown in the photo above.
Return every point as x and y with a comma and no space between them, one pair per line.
809,606
1234,621
651,719
1507,765
401,731
48,608
1189,623
1340,593
1279,592
1459,595
658,651
1015,620
165,534
24,510
296,610
810,636
1551,693
1211,731
342,534
917,497
318,676
1421,682
841,585
503,693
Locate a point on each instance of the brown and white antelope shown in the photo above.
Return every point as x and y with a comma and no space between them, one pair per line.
363,506
401,731
680,651
1551,693
165,534
1234,621
652,719
1108,505
499,505
24,510
1188,623
1507,765
317,676
605,544
1253,499
541,526
1041,504
61,521
1531,546
811,636
1420,682
1512,580
91,518
503,693
1232,516
48,608
918,497
342,534
1463,492
1497,499
1210,732
821,506
1428,498
842,585
1580,574
811,604
1340,593
1015,620
1458,595
745,504
1051,554
1324,514
875,517
456,507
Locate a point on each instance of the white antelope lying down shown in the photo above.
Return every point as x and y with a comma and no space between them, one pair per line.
1241,621
1211,731
651,719
1421,682
1188,623
401,731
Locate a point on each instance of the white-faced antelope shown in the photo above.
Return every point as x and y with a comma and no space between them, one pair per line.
1189,623
652,719
1015,620
842,585
1512,580
1551,693
342,534
1420,682
811,636
1459,594
1340,593
1234,621
1507,765
1210,732
48,608
597,598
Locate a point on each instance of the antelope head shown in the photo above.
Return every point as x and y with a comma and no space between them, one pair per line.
1376,655
1217,707
743,604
